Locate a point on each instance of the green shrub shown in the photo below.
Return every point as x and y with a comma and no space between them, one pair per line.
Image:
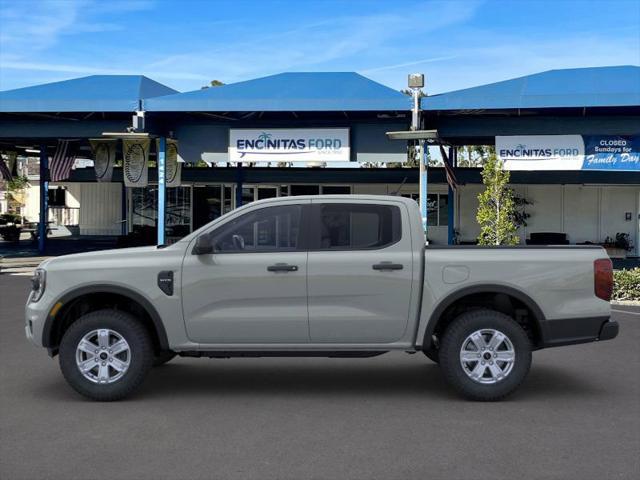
626,284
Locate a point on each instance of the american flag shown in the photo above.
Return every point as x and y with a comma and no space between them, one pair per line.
451,175
62,161
4,170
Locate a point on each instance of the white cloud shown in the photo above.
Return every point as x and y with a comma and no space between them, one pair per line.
30,27
408,64
436,37
88,70
342,40
497,57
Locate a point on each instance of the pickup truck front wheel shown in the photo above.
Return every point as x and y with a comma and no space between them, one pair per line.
485,355
105,355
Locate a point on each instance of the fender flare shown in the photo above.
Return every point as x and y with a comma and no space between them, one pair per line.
68,297
453,297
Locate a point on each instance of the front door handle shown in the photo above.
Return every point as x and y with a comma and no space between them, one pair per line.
282,267
387,266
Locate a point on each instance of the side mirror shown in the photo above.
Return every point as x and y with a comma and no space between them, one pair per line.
203,245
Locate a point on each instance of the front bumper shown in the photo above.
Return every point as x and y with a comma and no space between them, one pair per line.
572,331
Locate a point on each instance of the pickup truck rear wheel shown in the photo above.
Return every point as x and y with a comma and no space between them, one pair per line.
105,354
485,354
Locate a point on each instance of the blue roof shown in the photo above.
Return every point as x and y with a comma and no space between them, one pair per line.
96,93
577,87
298,92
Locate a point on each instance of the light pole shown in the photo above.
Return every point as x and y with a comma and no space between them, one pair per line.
416,83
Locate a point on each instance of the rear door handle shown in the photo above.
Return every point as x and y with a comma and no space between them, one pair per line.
282,267
387,266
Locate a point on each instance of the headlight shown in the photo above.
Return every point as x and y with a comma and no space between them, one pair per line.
38,284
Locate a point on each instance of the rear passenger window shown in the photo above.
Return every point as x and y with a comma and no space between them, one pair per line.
347,226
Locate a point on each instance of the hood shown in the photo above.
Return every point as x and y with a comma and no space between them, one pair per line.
119,254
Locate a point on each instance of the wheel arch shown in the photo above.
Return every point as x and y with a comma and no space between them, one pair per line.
54,325
437,317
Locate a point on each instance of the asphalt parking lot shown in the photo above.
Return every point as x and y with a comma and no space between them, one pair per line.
576,417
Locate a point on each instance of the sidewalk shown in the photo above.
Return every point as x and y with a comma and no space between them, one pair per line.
57,246
23,256
22,265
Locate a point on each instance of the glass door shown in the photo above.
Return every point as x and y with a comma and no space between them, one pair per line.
266,192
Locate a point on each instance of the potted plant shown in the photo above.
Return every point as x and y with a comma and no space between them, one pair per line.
618,247
10,227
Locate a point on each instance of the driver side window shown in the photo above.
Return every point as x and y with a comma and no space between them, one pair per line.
265,230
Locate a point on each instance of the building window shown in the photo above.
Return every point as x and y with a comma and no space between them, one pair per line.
227,204
144,209
57,197
314,190
207,204
305,190
437,208
178,217
336,190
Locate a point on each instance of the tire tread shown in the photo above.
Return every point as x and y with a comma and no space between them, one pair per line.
132,379
458,329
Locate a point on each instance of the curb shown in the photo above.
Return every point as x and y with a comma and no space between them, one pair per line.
628,303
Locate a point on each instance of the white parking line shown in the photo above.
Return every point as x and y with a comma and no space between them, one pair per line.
625,311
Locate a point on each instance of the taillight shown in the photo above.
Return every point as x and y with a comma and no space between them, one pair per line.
603,278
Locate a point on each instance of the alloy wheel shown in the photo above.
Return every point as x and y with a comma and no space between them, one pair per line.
103,356
487,356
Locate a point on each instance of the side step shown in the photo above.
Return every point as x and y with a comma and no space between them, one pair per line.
281,353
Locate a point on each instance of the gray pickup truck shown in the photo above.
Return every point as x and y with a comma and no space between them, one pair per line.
334,276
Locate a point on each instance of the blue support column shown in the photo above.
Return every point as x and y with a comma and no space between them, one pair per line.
162,188
44,199
239,180
450,200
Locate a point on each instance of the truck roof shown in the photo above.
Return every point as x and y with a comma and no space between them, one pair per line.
345,197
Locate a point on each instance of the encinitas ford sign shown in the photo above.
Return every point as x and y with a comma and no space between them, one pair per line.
612,153
541,152
289,145
569,152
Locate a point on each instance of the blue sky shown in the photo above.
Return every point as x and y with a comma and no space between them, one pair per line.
184,44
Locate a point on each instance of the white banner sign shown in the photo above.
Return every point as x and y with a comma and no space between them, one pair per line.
541,152
173,166
289,145
104,157
136,162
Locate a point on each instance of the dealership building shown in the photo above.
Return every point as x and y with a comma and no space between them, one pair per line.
570,137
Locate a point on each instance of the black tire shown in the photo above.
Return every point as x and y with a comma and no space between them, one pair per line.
141,354
432,354
452,342
163,357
